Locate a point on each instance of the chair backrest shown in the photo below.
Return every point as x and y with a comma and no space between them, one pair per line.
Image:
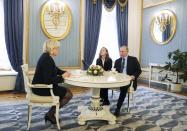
26,78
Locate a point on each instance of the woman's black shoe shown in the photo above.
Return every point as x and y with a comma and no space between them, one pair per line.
50,119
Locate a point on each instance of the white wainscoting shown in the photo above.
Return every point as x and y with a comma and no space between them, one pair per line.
145,75
7,80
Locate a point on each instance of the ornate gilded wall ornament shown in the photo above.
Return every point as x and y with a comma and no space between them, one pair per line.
56,19
163,26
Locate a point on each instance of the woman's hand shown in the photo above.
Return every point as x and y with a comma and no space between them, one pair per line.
66,74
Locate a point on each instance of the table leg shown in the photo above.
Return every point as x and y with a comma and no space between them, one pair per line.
95,111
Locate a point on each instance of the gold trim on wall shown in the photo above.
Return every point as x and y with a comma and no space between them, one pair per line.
81,32
145,7
26,26
141,33
174,21
157,3
26,32
80,40
43,24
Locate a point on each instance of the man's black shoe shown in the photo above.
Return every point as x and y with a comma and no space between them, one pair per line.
117,112
106,103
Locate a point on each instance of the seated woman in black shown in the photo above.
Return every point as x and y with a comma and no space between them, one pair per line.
47,73
106,62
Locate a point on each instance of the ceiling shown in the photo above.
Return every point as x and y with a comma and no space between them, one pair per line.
149,3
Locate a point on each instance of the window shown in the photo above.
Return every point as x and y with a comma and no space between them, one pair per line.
108,34
4,60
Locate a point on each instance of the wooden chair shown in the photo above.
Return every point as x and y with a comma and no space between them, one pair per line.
130,92
36,100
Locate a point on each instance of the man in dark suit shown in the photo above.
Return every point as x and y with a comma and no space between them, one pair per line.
128,65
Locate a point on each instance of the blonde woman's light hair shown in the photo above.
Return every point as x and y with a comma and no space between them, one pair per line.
50,44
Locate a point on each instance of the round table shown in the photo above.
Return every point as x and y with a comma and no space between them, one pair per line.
109,80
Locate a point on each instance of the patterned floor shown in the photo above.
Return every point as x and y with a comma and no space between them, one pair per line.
151,111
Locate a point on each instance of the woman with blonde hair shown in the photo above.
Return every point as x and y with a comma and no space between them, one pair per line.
106,62
47,73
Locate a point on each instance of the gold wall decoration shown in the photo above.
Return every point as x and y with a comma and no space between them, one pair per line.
56,19
163,26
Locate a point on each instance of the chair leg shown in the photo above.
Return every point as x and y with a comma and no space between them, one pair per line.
133,99
132,96
128,109
29,116
57,116
112,93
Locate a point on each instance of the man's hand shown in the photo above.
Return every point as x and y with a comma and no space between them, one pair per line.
66,74
132,77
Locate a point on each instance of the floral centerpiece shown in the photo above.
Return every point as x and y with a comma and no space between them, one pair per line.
95,70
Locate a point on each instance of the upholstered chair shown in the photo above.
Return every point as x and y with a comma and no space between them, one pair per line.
36,100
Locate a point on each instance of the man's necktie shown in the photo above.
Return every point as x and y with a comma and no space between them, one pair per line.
122,65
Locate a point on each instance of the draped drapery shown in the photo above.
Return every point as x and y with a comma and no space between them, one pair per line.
92,29
109,4
122,24
13,19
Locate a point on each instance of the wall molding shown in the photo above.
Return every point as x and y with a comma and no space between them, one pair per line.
151,3
81,34
154,53
135,27
28,40
25,31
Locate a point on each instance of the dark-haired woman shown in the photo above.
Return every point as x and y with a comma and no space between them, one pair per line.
106,62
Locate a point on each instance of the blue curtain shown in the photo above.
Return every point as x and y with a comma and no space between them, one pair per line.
92,29
122,24
13,19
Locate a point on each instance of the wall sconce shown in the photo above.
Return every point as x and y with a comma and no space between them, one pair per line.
163,20
55,10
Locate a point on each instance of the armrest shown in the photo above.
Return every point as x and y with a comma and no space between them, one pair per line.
40,86
43,86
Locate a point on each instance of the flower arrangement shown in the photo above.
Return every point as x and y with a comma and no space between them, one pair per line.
95,70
